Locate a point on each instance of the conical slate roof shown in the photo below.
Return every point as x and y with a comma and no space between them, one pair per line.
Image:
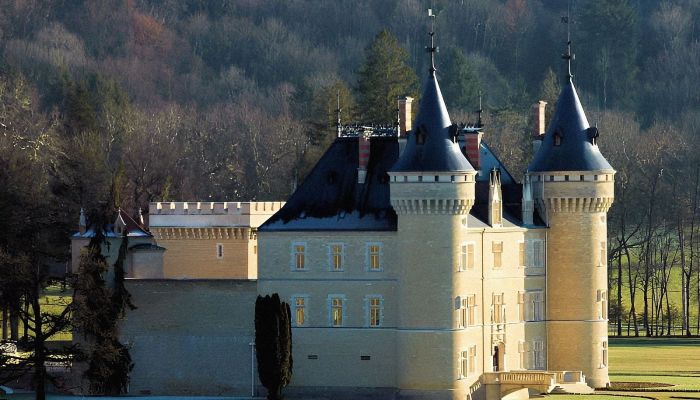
576,150
438,151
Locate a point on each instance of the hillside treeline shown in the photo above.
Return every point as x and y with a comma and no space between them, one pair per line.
116,103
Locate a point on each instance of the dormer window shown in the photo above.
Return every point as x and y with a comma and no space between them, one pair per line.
557,139
420,135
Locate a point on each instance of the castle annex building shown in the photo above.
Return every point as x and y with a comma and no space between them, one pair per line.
416,263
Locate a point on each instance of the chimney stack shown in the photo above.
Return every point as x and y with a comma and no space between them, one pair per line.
405,121
472,145
363,156
539,125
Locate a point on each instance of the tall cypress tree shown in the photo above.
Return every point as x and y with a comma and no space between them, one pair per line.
384,77
273,342
98,309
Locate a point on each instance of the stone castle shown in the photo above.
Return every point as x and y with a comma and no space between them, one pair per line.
414,263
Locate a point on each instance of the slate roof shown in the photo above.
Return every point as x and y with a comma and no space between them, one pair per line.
330,197
576,151
133,228
439,152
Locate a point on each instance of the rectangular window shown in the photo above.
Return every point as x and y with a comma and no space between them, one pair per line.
336,311
299,311
336,255
603,300
522,351
497,248
471,310
521,254
374,257
374,311
462,312
605,353
219,251
497,315
535,253
538,354
463,257
535,306
521,306
464,364
603,254
298,256
472,359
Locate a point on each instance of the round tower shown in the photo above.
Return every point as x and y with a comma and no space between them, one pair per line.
573,188
432,191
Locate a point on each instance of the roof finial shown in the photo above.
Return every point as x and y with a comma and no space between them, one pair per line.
568,56
338,125
432,49
479,124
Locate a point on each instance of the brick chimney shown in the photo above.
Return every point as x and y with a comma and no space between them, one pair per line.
404,121
363,156
472,143
539,125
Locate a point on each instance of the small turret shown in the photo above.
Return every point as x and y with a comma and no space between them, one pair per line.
495,199
528,207
82,223
573,188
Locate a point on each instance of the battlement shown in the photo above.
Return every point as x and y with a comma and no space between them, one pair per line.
203,214
214,207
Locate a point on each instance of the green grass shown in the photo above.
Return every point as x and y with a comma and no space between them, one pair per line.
673,361
54,301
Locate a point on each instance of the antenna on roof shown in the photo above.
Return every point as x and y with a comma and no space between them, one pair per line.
432,49
568,56
338,110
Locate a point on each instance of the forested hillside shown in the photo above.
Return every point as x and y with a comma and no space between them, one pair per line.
115,103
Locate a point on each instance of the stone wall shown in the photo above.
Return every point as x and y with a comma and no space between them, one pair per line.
190,337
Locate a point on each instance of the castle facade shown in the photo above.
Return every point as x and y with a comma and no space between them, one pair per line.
416,263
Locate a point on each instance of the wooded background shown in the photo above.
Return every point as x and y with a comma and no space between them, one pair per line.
116,103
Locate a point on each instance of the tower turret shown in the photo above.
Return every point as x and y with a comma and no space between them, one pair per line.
573,189
432,191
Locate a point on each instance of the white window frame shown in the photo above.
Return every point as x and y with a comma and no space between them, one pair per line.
603,254
522,254
293,302
331,256
535,254
498,309
293,266
538,357
497,255
602,298
522,354
368,256
466,256
522,301
343,310
219,251
535,306
604,352
368,310
472,359
463,364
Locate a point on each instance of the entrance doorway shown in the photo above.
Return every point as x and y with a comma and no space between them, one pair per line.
499,362
495,360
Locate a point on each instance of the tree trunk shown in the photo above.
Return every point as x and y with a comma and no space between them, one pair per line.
4,322
39,351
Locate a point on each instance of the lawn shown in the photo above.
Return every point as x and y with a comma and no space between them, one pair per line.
54,301
669,361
